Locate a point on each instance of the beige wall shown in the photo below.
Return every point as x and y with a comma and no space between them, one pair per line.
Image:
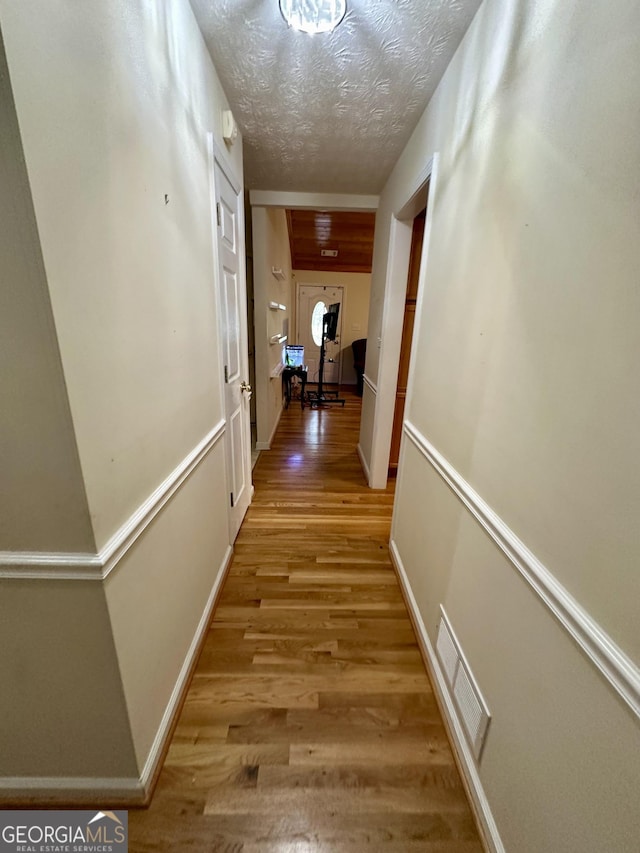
522,380
355,310
115,101
561,763
154,622
61,704
43,504
130,276
270,249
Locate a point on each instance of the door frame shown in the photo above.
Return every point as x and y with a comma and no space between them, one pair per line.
393,317
406,340
216,155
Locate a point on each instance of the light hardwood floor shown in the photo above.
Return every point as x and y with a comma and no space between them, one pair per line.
310,724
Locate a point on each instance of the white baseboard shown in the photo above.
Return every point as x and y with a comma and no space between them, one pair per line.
619,670
164,730
461,744
63,566
266,445
363,462
64,790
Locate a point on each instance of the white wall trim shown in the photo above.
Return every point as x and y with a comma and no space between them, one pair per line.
37,789
410,208
57,565
389,347
119,544
313,201
363,462
266,445
157,748
226,164
61,566
465,755
619,670
371,385
393,308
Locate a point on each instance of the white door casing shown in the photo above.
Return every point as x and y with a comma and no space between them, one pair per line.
310,296
233,332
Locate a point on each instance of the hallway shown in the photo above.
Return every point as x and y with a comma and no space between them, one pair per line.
310,724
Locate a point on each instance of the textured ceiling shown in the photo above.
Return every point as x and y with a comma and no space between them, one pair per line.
332,112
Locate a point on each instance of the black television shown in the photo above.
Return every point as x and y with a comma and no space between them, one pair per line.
330,320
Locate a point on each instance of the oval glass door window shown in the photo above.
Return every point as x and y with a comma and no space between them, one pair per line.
316,322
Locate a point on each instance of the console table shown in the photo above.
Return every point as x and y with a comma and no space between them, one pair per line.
287,374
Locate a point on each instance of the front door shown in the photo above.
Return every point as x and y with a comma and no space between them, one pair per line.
313,302
237,391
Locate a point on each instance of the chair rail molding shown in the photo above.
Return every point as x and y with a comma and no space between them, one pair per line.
371,385
71,566
619,670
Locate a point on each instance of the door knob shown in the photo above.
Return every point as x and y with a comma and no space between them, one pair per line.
244,386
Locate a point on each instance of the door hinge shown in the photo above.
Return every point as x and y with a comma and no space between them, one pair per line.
218,217
226,374
231,499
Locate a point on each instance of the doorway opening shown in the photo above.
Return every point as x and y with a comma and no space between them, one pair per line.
410,301
379,412
310,243
251,337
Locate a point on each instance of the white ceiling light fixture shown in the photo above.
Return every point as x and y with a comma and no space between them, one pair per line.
313,16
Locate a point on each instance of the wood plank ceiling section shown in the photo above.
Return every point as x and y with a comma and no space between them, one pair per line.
313,232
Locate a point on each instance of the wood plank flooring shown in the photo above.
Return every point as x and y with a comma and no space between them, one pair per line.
310,724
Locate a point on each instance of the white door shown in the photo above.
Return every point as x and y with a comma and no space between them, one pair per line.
313,303
237,391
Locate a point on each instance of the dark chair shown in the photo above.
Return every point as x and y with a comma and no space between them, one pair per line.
359,348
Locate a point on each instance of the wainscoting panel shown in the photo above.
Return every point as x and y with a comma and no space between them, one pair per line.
562,751
142,641
613,663
462,749
161,597
367,419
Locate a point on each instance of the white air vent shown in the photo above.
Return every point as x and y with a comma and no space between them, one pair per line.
472,708
447,651
474,713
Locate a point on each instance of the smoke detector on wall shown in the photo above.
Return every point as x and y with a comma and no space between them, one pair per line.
229,127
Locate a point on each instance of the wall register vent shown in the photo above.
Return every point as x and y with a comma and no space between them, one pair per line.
472,708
